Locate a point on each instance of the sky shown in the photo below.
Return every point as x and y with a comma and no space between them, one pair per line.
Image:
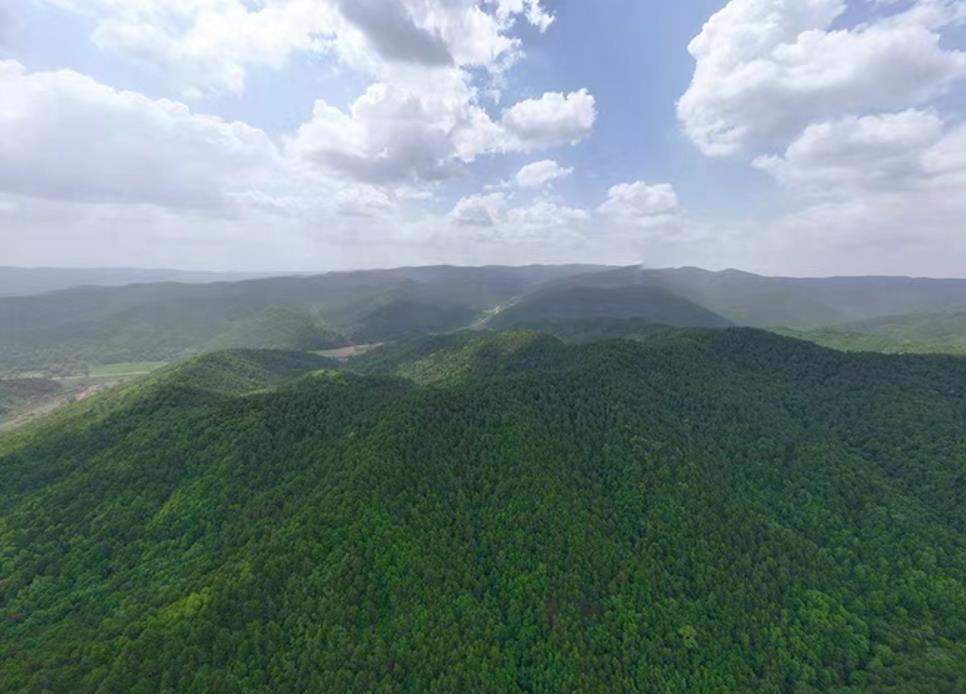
787,137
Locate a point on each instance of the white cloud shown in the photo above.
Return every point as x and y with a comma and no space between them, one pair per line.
552,120
945,161
853,154
906,152
766,69
365,201
534,13
480,210
540,173
397,133
66,136
545,221
390,134
639,205
212,44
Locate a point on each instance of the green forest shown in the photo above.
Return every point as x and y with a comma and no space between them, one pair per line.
693,511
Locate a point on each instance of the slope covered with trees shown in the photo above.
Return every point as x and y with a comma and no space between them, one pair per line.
801,303
645,303
731,511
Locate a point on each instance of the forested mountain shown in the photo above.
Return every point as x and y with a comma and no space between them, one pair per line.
753,300
567,303
711,510
169,321
19,281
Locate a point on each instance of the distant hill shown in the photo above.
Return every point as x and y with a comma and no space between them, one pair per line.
18,281
918,333
932,328
757,301
733,511
398,319
150,322
643,302
276,328
170,321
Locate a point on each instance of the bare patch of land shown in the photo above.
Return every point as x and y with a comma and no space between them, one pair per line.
346,353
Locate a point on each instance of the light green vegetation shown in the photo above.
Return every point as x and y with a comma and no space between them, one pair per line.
124,369
919,333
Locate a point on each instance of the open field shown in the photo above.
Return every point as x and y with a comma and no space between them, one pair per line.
346,353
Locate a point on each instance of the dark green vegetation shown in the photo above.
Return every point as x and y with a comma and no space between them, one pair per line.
650,304
277,328
700,511
77,327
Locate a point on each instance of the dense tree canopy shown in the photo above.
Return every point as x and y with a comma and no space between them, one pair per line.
730,511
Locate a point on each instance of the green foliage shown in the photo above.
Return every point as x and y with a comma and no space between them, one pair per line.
848,341
730,511
919,333
277,327
399,319
584,303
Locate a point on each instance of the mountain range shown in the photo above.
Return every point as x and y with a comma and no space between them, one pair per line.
169,321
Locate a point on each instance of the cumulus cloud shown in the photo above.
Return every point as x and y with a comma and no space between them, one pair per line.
389,134
640,205
213,44
767,69
535,14
68,137
396,133
552,120
393,33
365,201
545,221
540,173
852,154
480,210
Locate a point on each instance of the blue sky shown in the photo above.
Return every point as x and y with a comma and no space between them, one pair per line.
799,136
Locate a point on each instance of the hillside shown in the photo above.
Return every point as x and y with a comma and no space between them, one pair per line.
16,393
398,319
918,333
800,303
171,321
731,511
585,303
158,322
277,328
